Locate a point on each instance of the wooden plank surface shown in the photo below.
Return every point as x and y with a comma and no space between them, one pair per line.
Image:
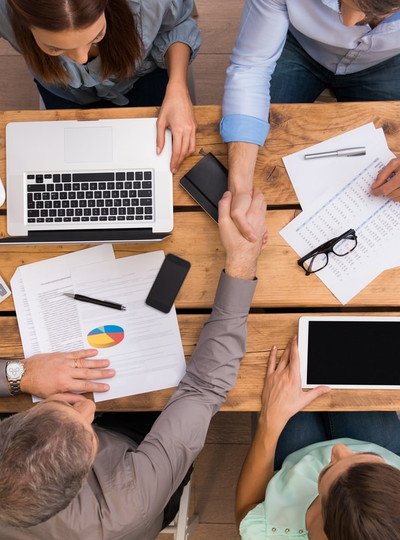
293,127
264,330
282,283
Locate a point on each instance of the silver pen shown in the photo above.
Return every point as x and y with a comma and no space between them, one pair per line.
345,152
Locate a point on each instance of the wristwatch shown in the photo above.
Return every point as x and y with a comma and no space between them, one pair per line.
14,372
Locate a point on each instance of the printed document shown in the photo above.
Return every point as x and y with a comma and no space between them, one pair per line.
142,344
376,221
311,178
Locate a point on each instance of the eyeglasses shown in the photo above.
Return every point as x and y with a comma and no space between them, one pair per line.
318,258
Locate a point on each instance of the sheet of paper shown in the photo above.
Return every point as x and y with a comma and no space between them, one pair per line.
375,219
142,344
312,178
46,320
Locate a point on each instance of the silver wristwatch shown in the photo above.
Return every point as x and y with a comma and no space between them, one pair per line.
14,373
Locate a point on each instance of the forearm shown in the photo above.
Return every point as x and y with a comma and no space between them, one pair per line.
177,60
257,470
178,434
242,158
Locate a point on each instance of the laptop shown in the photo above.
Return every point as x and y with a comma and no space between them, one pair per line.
87,181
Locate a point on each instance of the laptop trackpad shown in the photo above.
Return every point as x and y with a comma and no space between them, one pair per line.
88,144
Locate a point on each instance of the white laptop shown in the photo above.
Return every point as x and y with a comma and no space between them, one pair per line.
85,181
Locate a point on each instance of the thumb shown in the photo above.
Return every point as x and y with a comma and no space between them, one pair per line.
224,205
315,393
160,137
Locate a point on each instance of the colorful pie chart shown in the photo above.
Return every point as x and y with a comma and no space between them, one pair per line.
105,336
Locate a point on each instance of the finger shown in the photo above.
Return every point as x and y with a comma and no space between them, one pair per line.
258,204
294,363
382,177
84,353
386,189
93,373
67,397
272,360
283,362
96,364
244,227
395,194
224,207
176,151
192,145
184,148
79,385
160,141
314,393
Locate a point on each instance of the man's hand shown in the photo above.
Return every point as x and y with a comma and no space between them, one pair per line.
241,254
387,182
283,396
47,374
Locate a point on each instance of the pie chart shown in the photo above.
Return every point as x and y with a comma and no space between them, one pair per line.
105,336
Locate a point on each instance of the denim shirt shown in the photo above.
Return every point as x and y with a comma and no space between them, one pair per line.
160,24
317,26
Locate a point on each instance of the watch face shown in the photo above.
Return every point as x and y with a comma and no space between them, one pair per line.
15,370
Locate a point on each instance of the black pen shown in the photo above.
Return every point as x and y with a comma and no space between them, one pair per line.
104,303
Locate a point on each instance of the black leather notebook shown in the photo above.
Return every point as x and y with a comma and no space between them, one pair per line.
206,182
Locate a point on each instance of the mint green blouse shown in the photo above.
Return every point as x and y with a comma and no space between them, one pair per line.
292,489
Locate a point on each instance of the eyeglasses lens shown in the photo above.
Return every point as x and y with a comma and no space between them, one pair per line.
316,263
344,246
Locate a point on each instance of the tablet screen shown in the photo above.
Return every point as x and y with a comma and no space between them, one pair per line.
353,353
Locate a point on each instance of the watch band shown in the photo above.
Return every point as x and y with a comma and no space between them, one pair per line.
15,387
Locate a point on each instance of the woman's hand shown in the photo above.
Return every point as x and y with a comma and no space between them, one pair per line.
283,396
387,182
48,374
177,114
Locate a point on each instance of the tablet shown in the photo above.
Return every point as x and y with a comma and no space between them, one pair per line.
350,352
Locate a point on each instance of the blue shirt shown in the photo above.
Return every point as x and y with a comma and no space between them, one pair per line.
289,493
160,24
317,26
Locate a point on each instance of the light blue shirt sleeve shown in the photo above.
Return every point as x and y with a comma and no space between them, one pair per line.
262,35
177,26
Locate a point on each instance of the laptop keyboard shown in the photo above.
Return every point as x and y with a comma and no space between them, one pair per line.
90,197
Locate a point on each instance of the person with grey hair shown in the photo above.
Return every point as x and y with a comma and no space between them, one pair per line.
62,477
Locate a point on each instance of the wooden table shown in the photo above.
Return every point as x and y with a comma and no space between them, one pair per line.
283,292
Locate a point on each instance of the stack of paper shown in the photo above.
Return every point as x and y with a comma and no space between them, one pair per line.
335,196
142,344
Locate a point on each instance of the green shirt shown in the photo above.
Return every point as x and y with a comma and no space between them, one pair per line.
292,489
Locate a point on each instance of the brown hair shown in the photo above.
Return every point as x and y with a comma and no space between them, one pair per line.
364,503
378,8
44,458
119,50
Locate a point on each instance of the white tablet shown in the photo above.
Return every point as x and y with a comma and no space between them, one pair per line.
350,352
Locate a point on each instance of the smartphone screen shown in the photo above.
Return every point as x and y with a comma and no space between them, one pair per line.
167,283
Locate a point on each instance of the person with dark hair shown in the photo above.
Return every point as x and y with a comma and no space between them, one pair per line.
62,478
110,53
338,473
288,51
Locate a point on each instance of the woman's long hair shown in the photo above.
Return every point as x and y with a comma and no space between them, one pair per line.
119,50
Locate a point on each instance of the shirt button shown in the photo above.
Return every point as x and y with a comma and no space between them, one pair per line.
287,530
273,529
301,531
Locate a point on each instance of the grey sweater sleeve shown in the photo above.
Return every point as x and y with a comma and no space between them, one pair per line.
4,386
178,435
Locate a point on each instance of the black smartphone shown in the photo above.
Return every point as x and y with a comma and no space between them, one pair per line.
167,283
